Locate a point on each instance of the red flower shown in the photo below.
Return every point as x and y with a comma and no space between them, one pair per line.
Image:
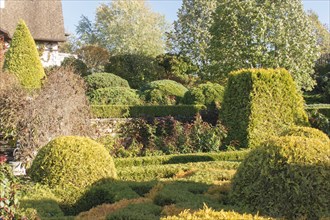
3,159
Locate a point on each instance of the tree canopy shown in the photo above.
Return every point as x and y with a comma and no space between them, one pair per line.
131,27
191,36
263,33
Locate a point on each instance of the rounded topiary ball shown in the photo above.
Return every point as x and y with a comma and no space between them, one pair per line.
70,161
306,132
285,177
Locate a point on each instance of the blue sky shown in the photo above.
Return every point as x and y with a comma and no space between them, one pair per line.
73,9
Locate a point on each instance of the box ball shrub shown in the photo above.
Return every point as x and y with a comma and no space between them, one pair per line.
164,92
114,96
285,177
260,103
306,132
71,161
205,94
77,65
104,80
22,58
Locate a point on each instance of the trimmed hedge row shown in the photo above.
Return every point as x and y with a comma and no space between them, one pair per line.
121,111
260,103
224,171
184,158
322,108
208,213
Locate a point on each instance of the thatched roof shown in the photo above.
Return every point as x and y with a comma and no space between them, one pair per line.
44,18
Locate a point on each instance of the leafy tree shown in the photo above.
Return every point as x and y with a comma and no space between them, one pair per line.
86,32
321,31
130,27
95,57
191,36
22,58
263,33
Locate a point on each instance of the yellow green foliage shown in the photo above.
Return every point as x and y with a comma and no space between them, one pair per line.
100,212
22,58
209,214
286,177
71,161
306,132
259,104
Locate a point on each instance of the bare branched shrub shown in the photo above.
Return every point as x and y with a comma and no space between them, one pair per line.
60,108
12,103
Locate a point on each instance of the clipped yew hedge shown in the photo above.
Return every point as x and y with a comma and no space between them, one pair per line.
260,103
104,80
180,158
114,96
204,94
164,92
306,132
285,177
22,58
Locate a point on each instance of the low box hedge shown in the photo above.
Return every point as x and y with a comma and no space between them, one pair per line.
322,108
121,111
168,171
181,158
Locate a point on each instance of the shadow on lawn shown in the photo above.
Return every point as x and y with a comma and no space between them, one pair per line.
147,200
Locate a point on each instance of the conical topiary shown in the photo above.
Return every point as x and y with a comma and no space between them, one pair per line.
22,58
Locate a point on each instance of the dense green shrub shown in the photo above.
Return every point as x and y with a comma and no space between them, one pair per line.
141,211
114,96
205,94
104,80
22,58
164,92
70,161
178,68
322,76
306,132
285,177
207,213
120,111
259,103
319,121
137,69
77,65
169,136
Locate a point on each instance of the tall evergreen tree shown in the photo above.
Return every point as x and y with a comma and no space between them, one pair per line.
131,27
22,58
263,33
191,36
